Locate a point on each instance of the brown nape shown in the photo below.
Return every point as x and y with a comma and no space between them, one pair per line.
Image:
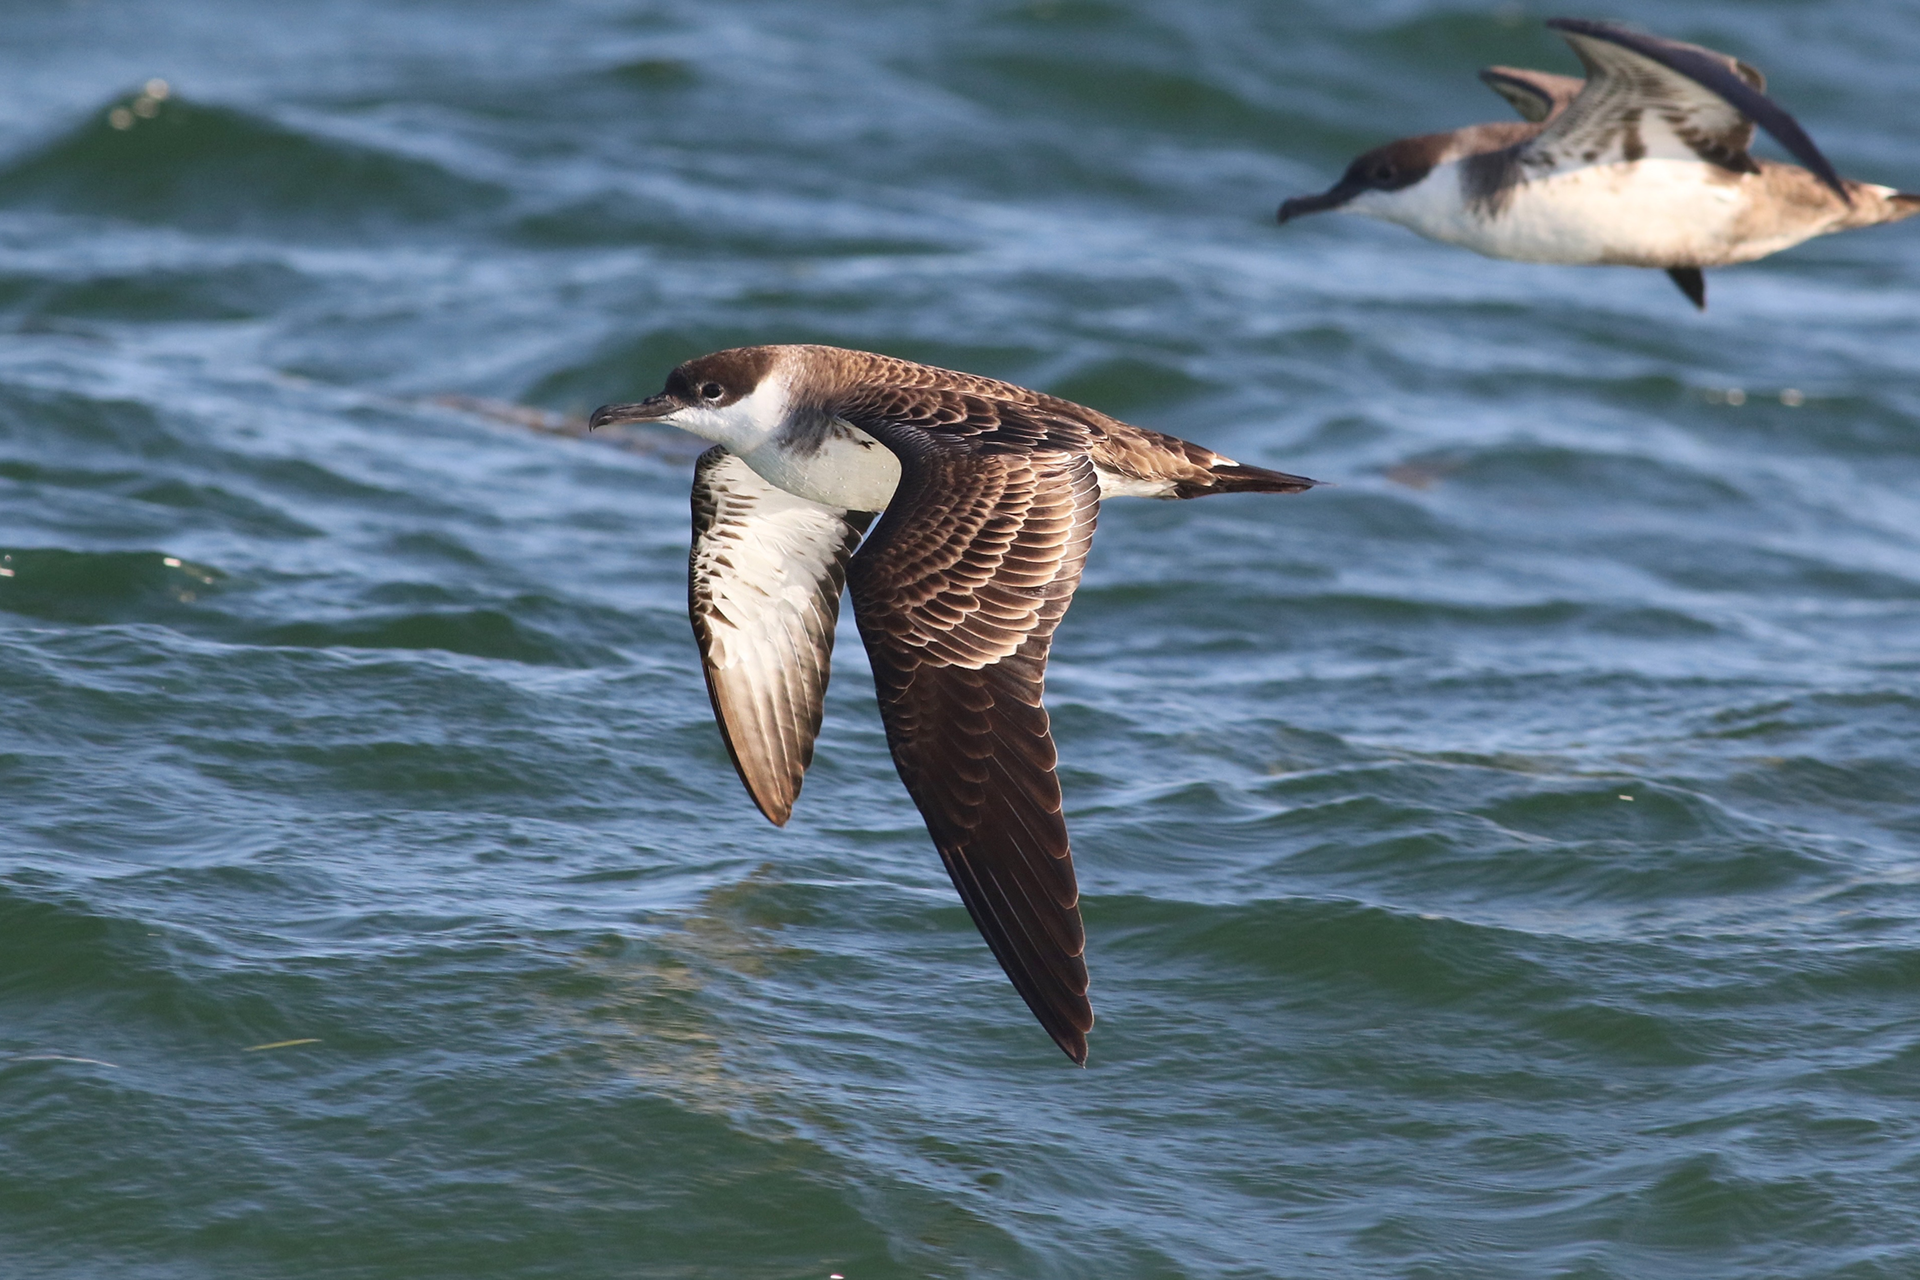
1495,135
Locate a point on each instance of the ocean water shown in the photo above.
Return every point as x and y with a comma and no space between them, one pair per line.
1503,864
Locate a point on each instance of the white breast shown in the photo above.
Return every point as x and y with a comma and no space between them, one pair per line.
850,470
1651,212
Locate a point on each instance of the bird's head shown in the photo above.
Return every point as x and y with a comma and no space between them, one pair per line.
1392,167
737,398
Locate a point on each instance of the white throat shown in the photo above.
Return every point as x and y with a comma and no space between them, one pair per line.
1434,206
847,468
744,425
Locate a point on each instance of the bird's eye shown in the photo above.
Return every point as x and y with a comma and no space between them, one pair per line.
1383,173
712,390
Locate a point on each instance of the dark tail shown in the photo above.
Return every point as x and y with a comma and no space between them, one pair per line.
1235,478
1873,205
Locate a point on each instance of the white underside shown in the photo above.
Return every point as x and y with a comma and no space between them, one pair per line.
1651,212
775,550
851,470
854,472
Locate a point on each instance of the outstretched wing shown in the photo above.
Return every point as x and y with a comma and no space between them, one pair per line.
1646,96
1536,95
957,593
763,590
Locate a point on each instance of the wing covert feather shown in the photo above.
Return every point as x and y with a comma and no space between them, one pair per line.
1648,96
1537,95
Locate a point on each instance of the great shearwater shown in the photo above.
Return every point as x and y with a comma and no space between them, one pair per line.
1642,164
987,495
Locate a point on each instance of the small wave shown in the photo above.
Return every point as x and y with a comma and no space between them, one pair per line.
101,586
1179,614
1324,947
52,948
1718,1201
65,424
476,632
214,168
240,291
1547,476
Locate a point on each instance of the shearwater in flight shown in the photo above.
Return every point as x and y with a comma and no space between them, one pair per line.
1642,164
987,495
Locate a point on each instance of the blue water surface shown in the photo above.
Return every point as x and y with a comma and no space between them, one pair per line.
1503,864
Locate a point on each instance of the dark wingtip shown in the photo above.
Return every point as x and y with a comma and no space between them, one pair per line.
1067,1020
1703,67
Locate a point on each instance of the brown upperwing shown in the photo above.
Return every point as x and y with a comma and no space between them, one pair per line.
1116,446
1537,95
957,592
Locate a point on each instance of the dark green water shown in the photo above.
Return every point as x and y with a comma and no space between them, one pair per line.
1504,864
